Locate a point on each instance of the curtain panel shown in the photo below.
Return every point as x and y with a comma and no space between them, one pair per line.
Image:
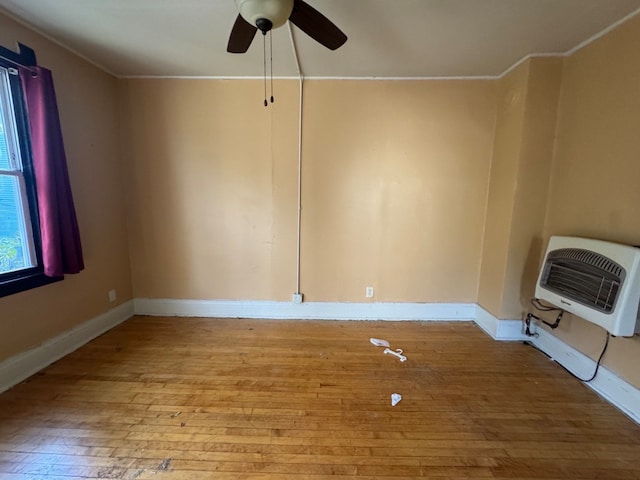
61,247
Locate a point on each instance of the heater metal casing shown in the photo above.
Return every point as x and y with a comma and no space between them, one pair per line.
596,280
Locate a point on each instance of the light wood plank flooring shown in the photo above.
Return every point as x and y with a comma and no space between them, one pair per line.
181,398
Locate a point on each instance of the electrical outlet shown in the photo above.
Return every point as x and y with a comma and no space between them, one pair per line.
368,292
112,296
296,298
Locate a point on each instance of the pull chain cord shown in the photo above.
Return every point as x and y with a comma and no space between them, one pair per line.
271,62
264,67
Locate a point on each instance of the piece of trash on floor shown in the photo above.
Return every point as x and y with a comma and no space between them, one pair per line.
396,353
174,415
378,342
395,399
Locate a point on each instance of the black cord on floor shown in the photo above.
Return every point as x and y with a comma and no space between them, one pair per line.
606,344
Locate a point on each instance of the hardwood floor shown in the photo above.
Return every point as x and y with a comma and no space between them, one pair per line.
182,398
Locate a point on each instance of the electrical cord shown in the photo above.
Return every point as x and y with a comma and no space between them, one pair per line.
598,363
527,326
554,325
538,305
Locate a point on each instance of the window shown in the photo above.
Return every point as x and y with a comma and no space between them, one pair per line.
17,250
20,251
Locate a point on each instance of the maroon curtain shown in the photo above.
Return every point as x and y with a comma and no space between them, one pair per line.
61,248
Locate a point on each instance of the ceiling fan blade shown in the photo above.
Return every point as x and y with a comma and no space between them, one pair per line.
241,36
316,25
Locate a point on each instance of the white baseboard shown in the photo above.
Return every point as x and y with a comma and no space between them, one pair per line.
612,388
306,310
507,330
21,366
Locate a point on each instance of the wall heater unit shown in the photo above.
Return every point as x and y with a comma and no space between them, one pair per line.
595,280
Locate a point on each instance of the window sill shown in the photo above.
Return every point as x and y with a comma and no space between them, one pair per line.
25,282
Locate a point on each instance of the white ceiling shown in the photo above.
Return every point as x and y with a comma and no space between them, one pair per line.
387,38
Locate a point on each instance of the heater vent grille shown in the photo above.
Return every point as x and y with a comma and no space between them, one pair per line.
584,276
595,280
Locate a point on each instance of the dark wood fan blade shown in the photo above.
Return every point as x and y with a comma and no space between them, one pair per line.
241,36
316,25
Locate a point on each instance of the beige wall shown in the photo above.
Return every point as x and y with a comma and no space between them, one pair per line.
89,117
511,98
565,162
523,148
394,182
212,189
595,188
532,185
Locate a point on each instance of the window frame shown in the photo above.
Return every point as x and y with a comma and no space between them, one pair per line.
32,277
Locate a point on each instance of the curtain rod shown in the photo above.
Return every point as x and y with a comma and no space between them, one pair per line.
25,55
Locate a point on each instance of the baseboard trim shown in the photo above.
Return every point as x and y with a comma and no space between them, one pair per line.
608,385
306,310
21,366
504,330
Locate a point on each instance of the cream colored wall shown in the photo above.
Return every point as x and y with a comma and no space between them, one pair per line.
89,117
212,190
520,173
532,185
394,185
511,100
595,188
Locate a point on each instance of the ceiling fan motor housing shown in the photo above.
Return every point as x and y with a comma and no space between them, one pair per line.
275,11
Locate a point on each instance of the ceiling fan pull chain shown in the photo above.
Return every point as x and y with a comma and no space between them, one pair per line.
271,62
264,67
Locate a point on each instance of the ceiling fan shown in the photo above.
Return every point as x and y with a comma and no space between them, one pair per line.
265,15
